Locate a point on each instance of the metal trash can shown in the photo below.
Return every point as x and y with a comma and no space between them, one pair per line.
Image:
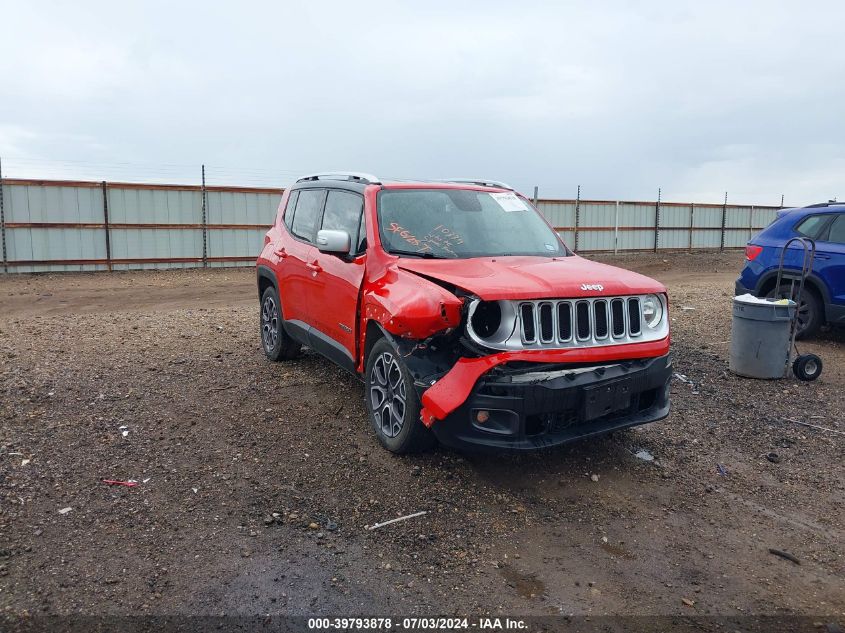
760,336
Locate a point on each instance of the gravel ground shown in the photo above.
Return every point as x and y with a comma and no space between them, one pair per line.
256,480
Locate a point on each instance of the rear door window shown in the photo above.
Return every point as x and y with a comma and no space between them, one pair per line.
812,226
289,209
309,206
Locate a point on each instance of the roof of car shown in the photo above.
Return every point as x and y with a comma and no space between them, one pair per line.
831,204
358,181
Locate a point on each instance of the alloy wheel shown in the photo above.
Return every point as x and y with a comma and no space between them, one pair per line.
269,324
388,394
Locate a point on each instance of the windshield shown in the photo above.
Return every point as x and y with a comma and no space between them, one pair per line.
460,223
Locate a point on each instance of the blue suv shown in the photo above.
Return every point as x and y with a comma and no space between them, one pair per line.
823,300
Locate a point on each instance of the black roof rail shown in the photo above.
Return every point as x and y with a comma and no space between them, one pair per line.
829,203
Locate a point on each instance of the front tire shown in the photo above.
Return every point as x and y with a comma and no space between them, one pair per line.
277,344
392,402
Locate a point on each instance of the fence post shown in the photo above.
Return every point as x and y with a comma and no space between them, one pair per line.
204,222
3,223
781,201
657,221
577,216
536,194
616,230
691,223
724,219
106,225
751,223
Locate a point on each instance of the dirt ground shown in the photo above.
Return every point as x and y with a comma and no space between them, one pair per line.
256,480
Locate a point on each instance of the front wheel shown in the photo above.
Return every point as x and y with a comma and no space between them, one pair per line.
393,403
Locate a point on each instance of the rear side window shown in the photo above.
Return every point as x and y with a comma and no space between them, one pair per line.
343,213
309,205
812,226
837,230
289,209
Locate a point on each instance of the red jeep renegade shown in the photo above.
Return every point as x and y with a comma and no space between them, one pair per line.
468,319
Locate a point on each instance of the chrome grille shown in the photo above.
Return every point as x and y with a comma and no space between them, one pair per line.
549,323
564,323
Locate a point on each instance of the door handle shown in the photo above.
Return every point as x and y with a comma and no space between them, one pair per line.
314,266
280,252
822,256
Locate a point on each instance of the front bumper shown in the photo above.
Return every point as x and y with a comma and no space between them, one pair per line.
527,411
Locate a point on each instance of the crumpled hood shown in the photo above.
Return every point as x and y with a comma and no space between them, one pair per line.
493,278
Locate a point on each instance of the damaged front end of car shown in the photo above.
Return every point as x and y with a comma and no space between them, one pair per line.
527,374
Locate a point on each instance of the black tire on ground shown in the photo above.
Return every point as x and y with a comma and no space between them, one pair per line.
807,367
277,344
392,402
810,317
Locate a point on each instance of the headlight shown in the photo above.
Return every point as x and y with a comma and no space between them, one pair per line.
652,311
491,322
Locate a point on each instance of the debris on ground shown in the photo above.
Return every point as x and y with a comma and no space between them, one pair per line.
644,455
114,482
65,510
786,555
396,520
816,426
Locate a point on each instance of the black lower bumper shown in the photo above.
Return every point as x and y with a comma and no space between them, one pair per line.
527,411
739,289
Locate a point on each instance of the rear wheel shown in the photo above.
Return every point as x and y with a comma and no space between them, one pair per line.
809,309
277,344
393,403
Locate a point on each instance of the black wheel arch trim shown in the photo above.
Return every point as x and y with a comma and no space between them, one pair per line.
265,272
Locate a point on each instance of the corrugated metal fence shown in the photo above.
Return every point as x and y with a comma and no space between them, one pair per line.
51,225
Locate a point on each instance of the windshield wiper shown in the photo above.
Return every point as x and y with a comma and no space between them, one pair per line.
423,254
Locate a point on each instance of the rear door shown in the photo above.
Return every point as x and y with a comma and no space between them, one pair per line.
295,251
830,258
334,301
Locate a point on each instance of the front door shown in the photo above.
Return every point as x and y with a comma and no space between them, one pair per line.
830,259
333,304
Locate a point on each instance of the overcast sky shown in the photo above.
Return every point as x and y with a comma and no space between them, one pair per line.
698,97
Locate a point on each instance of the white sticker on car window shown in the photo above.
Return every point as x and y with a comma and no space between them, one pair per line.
509,201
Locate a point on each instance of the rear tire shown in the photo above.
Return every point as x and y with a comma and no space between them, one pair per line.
277,344
392,402
810,318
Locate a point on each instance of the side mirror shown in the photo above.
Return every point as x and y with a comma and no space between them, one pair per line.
337,242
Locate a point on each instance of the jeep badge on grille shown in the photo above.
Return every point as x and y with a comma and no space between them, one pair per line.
596,287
